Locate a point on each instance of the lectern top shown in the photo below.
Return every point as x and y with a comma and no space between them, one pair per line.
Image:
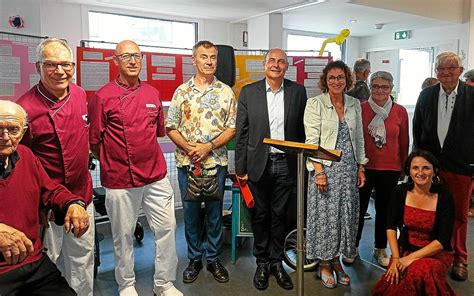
309,150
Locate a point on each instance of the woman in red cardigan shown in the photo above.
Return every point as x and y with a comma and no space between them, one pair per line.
385,126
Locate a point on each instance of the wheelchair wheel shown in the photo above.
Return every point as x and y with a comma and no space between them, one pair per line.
289,252
138,233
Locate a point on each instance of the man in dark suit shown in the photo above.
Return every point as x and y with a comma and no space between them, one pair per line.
443,124
270,108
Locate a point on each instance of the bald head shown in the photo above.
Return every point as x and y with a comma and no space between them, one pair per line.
125,45
128,58
13,122
12,109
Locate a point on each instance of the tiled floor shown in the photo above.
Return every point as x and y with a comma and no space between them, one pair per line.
364,273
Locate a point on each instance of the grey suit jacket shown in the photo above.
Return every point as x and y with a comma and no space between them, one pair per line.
253,126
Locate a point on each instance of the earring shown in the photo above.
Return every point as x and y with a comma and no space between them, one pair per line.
410,180
435,180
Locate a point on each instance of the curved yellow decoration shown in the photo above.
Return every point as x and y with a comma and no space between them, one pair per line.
339,39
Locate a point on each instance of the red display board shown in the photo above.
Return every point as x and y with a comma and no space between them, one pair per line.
17,65
95,67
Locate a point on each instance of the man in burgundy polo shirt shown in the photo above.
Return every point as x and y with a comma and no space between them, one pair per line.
58,135
24,188
126,118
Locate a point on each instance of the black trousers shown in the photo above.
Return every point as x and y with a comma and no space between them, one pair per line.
40,278
383,182
269,215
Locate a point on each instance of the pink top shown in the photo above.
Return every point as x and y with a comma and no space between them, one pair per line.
392,155
58,134
126,123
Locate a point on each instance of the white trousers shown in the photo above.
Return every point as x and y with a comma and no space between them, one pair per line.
78,254
157,201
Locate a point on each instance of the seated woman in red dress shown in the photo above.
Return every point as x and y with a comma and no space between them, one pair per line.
424,213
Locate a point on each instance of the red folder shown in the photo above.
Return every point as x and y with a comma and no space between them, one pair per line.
246,194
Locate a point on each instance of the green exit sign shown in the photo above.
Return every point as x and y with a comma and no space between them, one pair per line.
402,35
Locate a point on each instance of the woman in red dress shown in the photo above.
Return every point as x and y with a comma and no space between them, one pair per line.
424,213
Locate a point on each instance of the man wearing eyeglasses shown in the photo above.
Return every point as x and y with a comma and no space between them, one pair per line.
443,123
24,188
126,118
270,108
58,135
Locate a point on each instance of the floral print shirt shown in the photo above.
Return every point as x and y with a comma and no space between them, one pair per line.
201,117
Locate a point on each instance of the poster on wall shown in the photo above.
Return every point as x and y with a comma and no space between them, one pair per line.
164,71
304,70
17,65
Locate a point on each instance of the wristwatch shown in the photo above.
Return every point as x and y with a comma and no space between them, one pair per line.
79,202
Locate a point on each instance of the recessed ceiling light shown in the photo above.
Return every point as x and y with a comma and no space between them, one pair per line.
353,21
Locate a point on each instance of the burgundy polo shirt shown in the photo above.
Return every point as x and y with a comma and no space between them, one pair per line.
21,194
126,123
58,134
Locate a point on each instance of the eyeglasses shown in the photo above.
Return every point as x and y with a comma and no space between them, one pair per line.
66,66
12,130
334,78
444,69
128,56
378,87
273,61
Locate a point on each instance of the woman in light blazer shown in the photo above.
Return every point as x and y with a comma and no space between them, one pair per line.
333,121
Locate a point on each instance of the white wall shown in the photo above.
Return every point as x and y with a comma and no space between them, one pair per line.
70,21
28,10
453,37
353,50
259,32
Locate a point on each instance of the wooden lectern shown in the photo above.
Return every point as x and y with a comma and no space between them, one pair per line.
302,150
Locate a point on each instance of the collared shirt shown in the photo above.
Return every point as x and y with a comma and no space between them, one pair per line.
445,110
58,134
276,113
6,171
201,117
126,122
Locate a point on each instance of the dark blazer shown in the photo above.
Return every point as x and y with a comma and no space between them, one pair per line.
444,219
252,125
458,149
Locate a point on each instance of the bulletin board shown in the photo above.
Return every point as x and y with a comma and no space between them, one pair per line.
17,64
304,70
95,68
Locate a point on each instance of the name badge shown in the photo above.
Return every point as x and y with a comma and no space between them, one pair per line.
150,105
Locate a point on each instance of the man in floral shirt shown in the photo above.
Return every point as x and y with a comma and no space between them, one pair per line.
201,120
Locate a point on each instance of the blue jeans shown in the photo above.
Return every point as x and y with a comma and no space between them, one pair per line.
211,244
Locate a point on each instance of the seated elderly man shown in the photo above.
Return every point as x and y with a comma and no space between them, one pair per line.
24,189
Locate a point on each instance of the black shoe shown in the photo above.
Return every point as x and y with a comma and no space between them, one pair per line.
218,271
283,279
191,272
260,279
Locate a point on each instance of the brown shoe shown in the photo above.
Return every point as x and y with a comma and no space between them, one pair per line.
459,271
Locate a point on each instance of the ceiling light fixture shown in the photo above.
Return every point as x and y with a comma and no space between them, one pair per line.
378,26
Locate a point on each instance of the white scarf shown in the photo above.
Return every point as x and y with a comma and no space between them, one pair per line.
377,125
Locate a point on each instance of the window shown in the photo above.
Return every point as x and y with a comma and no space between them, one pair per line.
144,31
304,43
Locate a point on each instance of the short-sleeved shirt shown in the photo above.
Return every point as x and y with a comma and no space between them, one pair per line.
201,117
58,134
126,122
